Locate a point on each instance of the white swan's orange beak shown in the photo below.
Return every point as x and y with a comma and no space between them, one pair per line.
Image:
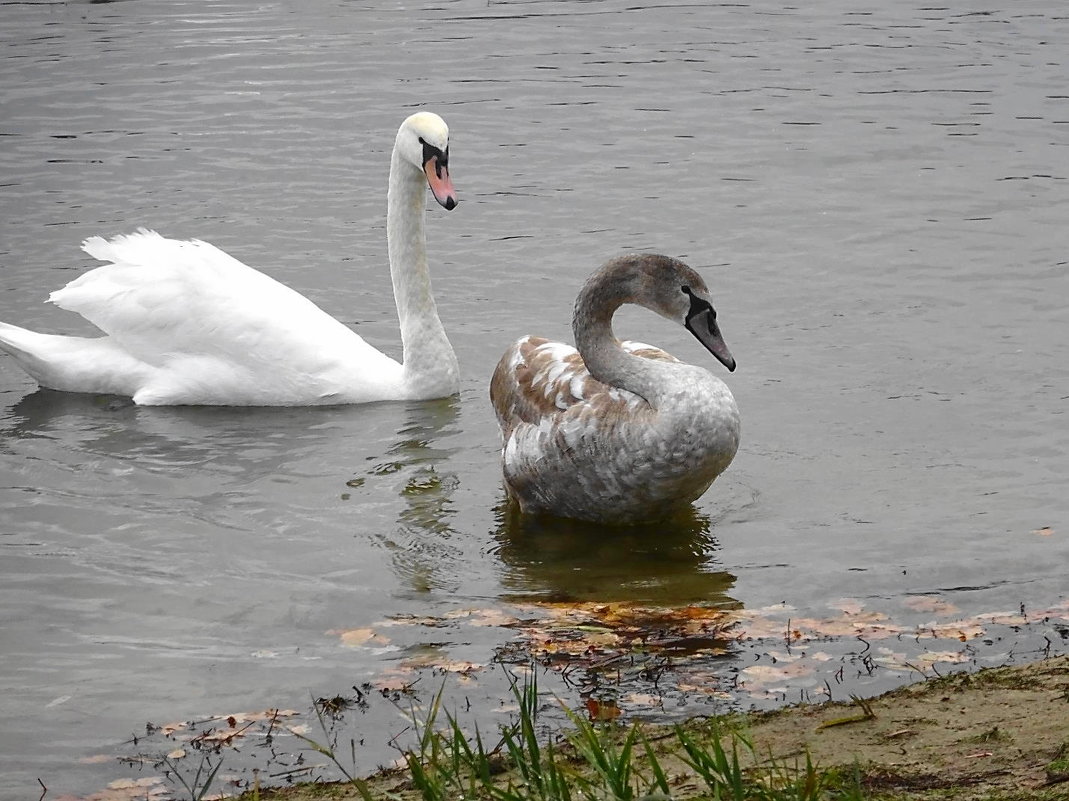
440,183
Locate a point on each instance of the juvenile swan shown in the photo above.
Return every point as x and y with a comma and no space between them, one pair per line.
185,323
616,432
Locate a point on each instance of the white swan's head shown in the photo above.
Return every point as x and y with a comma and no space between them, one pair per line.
423,141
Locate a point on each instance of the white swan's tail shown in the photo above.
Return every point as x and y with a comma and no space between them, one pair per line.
71,364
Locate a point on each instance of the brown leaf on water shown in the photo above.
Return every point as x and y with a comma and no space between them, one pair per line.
411,620
642,699
594,635
219,736
871,625
354,638
177,753
398,680
254,717
623,615
1044,531
601,711
707,684
147,788
963,630
930,603
933,657
483,617
436,661
1002,618
849,606
97,759
761,678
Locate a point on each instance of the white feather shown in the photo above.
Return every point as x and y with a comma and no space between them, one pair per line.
186,323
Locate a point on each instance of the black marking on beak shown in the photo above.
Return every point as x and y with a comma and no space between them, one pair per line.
701,322
441,157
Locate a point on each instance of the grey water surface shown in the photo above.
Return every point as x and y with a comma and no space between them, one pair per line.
876,193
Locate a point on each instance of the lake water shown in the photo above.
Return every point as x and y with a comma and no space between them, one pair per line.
877,195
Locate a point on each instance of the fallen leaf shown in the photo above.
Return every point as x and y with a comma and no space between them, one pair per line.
353,638
642,699
484,617
96,759
600,711
412,620
394,682
963,630
761,677
930,603
932,657
849,606
1045,531
132,790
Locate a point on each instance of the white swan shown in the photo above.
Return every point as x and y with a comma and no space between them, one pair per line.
616,432
187,324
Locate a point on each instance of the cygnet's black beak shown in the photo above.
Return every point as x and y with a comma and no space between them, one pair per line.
701,322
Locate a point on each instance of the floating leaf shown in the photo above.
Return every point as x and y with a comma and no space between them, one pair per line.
97,759
757,677
132,790
932,657
963,630
643,699
414,620
484,617
602,711
354,638
849,606
930,603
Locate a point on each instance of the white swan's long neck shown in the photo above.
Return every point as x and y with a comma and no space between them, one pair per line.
607,361
429,363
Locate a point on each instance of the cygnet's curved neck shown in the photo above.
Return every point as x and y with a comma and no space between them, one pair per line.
428,358
606,360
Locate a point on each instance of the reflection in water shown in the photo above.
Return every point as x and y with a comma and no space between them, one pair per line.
38,410
420,544
246,442
669,563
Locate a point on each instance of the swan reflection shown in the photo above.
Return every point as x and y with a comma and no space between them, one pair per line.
240,443
668,563
414,469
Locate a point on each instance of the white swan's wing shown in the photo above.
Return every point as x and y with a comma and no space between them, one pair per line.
159,296
214,329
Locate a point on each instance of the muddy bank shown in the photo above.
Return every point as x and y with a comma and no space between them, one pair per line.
999,733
